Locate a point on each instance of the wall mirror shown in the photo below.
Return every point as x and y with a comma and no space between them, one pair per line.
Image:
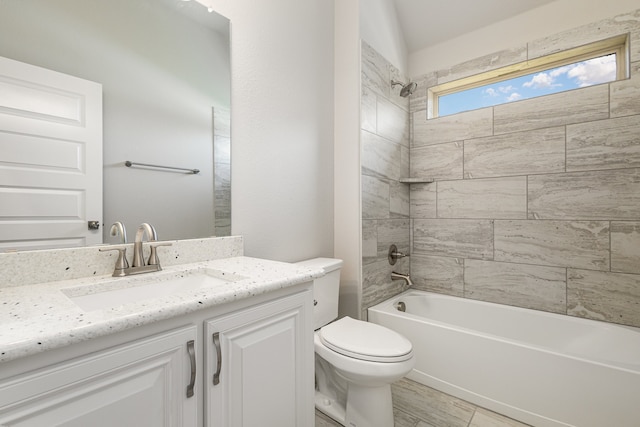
164,66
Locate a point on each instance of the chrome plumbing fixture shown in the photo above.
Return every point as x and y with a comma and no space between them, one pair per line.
393,254
407,89
152,236
138,265
400,276
119,228
401,306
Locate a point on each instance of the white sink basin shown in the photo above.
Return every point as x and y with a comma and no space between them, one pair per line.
121,291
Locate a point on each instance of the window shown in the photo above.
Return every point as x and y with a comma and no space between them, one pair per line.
597,63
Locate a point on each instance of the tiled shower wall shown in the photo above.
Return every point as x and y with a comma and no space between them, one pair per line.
222,171
385,160
537,202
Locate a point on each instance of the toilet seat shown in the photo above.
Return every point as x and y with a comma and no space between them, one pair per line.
365,341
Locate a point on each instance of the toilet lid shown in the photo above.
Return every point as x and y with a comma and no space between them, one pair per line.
365,341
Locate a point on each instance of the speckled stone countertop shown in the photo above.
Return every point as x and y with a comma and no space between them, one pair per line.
40,317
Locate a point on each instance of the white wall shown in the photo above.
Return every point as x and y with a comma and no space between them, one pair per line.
282,126
347,217
380,28
543,21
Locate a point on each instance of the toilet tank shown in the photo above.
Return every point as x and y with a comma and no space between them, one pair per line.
325,290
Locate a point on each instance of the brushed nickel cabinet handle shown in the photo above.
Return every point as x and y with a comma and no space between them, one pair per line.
192,358
216,344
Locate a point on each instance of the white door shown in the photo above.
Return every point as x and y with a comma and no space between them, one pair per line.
50,158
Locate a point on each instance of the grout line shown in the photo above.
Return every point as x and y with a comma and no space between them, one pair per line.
566,290
565,147
610,249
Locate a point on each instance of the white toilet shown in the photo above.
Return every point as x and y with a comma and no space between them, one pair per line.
356,361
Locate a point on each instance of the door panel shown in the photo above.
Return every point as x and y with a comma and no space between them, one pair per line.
141,384
50,158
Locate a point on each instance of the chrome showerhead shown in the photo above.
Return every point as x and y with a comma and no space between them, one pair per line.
407,89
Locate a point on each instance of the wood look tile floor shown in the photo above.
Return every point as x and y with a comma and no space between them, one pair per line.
416,405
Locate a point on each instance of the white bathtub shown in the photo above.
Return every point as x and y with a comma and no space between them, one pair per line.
540,368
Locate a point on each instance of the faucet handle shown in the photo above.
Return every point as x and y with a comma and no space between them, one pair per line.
393,254
121,262
153,256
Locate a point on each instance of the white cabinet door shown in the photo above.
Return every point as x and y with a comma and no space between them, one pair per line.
50,158
259,366
140,384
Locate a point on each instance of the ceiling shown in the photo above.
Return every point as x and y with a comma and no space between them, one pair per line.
429,22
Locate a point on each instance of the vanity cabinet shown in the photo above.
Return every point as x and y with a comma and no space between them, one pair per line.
258,370
262,358
142,383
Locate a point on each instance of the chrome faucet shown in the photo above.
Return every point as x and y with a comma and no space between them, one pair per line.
119,228
152,236
400,276
137,265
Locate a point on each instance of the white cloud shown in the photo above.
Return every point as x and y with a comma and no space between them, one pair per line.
491,92
585,73
506,89
594,71
514,97
560,71
541,81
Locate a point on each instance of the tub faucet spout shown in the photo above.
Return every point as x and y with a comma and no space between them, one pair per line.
400,276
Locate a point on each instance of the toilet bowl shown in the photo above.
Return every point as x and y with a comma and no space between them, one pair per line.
356,361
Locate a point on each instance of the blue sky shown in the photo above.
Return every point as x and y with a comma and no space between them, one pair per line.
567,77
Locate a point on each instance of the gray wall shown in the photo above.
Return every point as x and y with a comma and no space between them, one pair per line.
537,202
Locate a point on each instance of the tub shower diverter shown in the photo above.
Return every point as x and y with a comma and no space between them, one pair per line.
115,292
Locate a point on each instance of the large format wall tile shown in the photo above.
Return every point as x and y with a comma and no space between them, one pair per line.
394,94
375,71
393,232
444,275
399,206
418,100
369,239
466,125
625,246
604,144
463,238
381,157
589,33
484,63
529,286
377,285
392,122
587,104
612,194
441,161
422,198
375,198
625,94
504,198
578,244
520,153
368,110
612,297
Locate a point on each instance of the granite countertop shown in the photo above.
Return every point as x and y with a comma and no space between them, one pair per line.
41,317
